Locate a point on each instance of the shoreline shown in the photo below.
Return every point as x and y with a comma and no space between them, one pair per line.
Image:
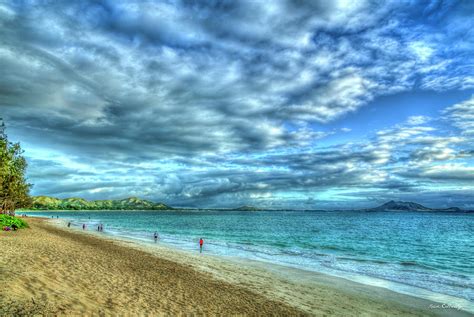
288,274
302,292
52,271
370,281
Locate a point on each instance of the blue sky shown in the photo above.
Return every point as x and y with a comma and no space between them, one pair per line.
282,104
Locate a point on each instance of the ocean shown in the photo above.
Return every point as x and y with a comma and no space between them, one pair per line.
424,254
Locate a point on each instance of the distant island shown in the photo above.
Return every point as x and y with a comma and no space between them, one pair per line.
247,208
409,206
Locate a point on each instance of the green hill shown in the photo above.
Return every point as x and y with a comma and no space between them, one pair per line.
132,203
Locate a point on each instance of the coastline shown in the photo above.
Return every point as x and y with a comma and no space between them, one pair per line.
292,284
248,287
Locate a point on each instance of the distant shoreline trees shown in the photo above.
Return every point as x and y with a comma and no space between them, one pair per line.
14,189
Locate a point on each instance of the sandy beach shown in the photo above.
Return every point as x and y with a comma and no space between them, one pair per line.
50,270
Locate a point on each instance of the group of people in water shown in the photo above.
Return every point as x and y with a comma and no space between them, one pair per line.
156,236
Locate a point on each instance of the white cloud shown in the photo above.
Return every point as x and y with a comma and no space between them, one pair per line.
462,116
449,172
421,50
417,120
340,96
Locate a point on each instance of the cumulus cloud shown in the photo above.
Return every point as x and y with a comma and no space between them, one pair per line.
462,116
449,172
417,120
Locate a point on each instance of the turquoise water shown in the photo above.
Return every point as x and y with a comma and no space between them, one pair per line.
431,251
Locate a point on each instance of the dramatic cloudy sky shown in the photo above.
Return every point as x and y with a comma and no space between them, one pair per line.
304,104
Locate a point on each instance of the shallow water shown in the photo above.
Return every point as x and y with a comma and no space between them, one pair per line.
431,251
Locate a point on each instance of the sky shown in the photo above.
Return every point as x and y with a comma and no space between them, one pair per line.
276,104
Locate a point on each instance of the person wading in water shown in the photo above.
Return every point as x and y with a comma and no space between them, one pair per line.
201,242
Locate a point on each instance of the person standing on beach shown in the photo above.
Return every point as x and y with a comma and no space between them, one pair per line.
155,236
83,226
201,242
68,224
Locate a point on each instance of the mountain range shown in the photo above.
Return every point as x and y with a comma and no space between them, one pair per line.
131,203
134,203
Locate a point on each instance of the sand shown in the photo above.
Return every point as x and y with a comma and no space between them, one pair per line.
54,271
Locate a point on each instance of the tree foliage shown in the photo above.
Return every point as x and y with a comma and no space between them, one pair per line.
14,189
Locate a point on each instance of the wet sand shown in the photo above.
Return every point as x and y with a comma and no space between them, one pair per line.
50,270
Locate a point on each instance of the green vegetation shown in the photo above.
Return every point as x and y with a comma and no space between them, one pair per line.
6,220
132,203
14,190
